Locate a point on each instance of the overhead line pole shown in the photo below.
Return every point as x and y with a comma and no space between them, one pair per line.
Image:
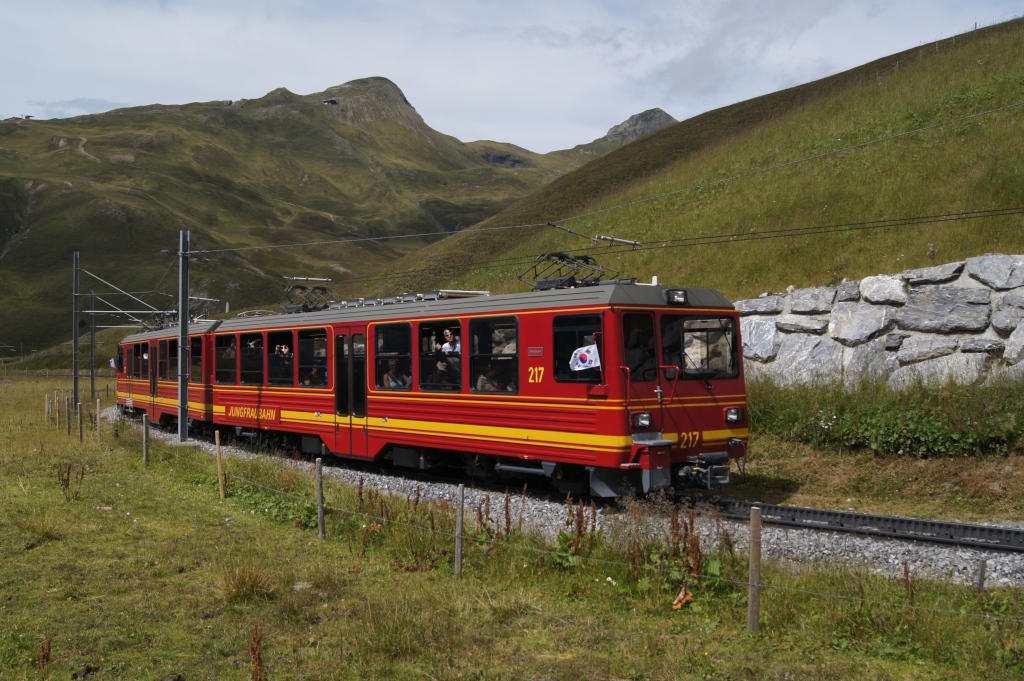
184,356
92,349
74,329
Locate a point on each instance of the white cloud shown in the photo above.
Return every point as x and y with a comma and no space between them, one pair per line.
539,74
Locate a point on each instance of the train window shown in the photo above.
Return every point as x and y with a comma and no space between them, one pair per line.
440,346
226,359
394,356
358,375
168,361
250,359
313,357
172,359
494,354
129,361
638,332
280,358
120,359
139,366
702,347
571,333
197,359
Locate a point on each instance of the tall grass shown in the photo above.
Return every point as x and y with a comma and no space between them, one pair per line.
924,421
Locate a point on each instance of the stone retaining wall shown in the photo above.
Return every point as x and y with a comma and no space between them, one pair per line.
956,322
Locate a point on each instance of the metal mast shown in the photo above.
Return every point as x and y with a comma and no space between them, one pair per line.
184,356
74,329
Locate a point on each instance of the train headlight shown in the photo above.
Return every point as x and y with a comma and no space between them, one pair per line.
676,296
641,419
734,414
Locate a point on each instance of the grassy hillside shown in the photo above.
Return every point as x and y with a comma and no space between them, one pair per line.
284,168
971,165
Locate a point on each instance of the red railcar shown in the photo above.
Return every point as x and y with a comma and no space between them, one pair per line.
486,383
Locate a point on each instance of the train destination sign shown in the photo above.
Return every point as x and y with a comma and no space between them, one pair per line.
264,414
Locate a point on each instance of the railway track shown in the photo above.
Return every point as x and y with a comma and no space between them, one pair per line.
985,537
988,537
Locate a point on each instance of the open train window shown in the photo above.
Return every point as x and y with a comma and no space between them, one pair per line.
120,359
197,359
702,347
281,358
571,333
638,333
394,356
226,359
494,354
440,348
250,359
313,357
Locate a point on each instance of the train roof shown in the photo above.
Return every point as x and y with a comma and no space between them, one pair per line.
610,295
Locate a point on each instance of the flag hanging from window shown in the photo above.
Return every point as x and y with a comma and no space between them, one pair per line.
585,358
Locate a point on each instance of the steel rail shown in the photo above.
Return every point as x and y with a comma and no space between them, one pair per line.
987,537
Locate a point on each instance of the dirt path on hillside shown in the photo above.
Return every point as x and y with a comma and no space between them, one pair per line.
82,152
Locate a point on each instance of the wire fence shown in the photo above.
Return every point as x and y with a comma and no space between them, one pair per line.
628,566
687,577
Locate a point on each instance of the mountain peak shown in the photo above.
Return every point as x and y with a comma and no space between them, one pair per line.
639,125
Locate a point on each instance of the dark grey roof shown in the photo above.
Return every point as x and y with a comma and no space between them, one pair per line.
611,295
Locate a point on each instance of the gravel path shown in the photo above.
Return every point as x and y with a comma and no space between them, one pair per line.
878,555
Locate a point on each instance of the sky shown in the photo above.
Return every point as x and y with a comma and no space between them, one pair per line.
542,74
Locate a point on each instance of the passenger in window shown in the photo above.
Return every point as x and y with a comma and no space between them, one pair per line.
440,375
228,354
452,343
395,378
489,380
315,377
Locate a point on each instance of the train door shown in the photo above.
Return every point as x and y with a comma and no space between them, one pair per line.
644,389
153,365
350,391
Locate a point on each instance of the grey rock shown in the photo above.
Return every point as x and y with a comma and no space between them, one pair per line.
766,305
853,324
760,339
893,341
806,359
848,291
1014,346
883,290
940,274
1000,272
756,371
869,363
1011,299
921,348
956,368
1008,374
795,323
981,345
1005,321
945,309
812,300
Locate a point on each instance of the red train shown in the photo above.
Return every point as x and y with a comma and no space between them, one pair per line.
504,386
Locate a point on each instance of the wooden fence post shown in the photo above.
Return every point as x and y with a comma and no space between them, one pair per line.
320,498
56,410
99,442
47,409
458,531
220,465
78,409
754,590
67,413
145,438
981,573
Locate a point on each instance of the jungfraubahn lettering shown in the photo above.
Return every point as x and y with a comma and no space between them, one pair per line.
254,413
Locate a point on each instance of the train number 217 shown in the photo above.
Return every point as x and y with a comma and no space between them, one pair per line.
536,374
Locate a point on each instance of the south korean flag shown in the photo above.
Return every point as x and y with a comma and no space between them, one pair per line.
585,358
